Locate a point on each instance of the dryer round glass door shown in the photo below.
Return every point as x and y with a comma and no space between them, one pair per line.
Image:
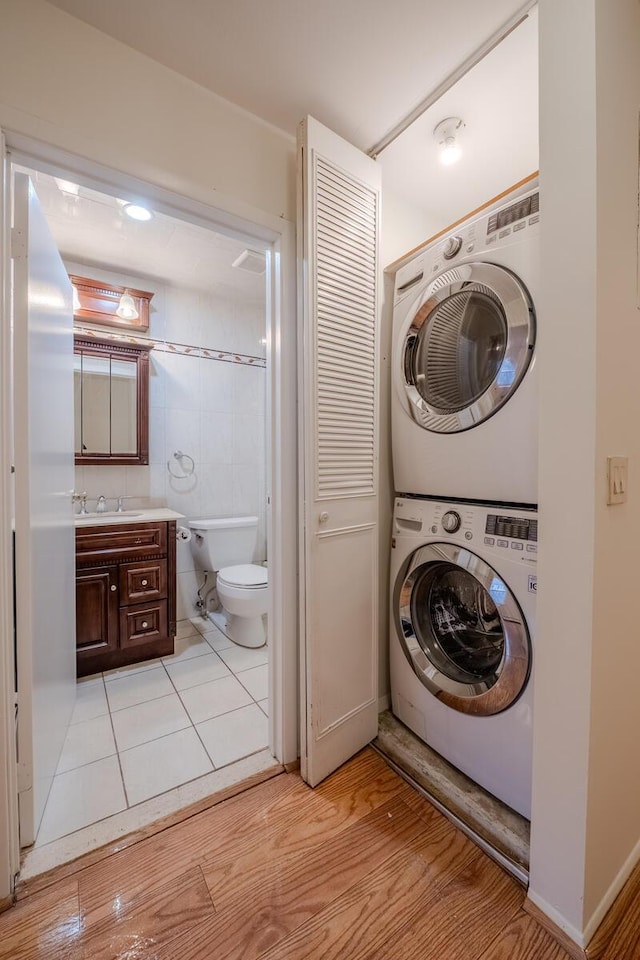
468,346
462,629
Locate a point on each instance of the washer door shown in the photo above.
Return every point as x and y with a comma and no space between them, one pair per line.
468,347
462,629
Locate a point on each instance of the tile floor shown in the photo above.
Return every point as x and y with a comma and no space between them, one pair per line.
140,731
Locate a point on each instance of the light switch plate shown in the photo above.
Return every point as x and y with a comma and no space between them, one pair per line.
617,479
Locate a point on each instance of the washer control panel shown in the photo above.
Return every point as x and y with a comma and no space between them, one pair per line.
514,530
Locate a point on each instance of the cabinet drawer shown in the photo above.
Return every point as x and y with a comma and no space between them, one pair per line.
143,623
140,582
122,541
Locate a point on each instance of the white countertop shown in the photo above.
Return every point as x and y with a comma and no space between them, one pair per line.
127,516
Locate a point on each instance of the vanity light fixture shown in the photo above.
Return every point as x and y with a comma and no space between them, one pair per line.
67,187
127,307
446,134
137,212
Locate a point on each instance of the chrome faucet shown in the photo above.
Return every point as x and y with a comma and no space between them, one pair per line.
101,504
82,499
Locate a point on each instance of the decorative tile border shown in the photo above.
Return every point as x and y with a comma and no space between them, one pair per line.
166,346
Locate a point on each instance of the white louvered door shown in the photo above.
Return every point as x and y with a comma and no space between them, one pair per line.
339,213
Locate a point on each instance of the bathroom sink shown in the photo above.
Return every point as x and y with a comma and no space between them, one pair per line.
108,514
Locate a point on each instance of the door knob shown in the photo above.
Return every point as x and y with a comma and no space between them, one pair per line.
324,516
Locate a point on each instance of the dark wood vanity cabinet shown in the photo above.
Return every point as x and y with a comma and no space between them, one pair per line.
125,593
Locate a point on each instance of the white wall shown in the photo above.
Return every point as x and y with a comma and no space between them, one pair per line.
71,86
212,409
586,803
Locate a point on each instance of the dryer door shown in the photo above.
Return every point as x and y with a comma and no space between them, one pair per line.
468,346
462,629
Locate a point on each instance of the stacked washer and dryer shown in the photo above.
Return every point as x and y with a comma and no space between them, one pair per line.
465,530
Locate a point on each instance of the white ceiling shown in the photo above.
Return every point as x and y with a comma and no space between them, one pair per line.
359,67
498,101
91,228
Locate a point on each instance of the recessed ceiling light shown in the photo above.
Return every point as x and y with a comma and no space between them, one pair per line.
136,212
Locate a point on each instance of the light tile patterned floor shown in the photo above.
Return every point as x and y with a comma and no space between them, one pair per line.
140,731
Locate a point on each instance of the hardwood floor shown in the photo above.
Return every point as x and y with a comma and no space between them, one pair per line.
362,868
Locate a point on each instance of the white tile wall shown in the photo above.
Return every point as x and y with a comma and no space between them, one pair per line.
211,409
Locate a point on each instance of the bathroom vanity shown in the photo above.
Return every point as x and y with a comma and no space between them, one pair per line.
125,588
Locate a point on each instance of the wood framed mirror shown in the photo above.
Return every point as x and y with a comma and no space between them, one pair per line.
111,401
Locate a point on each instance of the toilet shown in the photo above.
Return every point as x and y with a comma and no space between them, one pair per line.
227,545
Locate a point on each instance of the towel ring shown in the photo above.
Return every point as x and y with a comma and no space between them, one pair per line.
180,456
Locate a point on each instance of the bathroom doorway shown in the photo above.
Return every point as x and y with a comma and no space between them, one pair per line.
153,735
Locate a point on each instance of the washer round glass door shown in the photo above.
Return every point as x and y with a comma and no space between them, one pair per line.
462,629
468,346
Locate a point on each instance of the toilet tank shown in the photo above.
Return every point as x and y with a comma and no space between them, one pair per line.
224,541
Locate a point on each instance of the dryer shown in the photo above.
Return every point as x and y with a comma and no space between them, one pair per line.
464,392
463,592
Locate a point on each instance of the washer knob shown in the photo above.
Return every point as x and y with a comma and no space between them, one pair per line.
451,247
451,521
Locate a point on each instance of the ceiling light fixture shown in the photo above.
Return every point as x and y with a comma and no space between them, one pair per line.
446,134
127,307
137,212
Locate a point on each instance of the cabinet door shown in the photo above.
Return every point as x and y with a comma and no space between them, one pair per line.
96,611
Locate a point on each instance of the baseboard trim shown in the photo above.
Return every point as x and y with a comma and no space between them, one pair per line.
292,767
562,937
6,903
384,703
611,919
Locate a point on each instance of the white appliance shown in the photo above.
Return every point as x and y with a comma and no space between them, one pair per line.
464,393
463,592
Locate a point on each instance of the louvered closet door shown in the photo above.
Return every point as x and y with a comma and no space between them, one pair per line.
339,209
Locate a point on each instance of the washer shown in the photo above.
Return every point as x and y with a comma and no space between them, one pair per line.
464,394
463,592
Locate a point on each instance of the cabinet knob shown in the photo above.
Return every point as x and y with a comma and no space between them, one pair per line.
144,624
144,582
113,588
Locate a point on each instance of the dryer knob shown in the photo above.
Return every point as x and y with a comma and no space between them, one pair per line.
451,247
451,521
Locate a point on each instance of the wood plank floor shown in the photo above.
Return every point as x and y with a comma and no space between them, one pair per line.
362,868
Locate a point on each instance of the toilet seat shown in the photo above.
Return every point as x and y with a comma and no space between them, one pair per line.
248,576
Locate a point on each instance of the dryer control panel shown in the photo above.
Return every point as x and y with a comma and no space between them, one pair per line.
477,237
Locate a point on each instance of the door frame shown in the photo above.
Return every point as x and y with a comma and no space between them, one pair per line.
276,237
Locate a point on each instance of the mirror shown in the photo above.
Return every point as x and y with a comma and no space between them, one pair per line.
111,400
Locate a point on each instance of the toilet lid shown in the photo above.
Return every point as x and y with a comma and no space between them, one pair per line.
244,575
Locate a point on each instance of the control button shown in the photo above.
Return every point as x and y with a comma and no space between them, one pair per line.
451,521
519,226
533,220
434,529
470,247
503,543
516,546
531,548
451,247
491,239
435,267
489,541
468,535
505,232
